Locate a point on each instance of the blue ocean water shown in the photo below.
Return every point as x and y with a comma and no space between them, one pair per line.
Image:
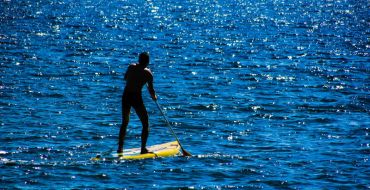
264,94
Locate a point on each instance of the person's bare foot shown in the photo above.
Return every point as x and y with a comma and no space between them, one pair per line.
145,151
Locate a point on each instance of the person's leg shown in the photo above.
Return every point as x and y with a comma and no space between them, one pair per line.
122,131
143,115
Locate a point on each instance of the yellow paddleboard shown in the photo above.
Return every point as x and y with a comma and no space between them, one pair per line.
160,150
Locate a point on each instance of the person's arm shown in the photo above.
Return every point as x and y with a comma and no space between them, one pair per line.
151,86
127,72
152,91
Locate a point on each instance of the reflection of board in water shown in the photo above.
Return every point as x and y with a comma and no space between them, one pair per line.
160,150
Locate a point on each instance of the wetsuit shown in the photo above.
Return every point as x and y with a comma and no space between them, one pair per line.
136,77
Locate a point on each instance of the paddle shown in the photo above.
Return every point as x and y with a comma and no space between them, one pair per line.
184,152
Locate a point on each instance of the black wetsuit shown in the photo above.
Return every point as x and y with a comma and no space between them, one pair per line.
136,77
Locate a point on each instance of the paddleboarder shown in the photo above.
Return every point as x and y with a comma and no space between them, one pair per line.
136,76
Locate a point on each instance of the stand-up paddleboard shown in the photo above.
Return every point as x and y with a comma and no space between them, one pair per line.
160,150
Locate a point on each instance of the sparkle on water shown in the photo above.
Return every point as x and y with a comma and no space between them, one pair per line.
264,94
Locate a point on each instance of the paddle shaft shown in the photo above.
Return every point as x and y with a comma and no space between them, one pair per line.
169,125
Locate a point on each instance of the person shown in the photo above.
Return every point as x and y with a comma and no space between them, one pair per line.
136,76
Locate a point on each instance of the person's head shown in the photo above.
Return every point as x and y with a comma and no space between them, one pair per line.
144,59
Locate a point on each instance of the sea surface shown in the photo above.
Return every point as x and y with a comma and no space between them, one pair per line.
265,94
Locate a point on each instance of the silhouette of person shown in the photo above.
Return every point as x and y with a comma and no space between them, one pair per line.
136,76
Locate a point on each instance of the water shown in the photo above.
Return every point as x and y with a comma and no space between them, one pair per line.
264,94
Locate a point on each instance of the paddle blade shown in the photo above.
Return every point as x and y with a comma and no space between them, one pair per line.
185,153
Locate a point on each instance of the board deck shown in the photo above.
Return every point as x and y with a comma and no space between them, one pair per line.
160,150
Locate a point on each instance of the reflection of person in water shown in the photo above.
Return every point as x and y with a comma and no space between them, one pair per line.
137,75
